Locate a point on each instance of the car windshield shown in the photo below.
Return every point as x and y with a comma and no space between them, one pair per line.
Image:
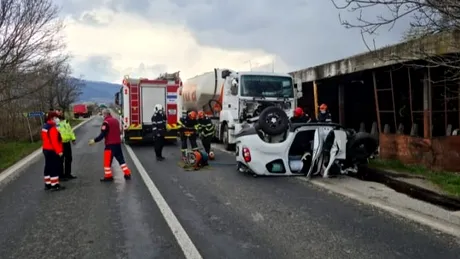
266,86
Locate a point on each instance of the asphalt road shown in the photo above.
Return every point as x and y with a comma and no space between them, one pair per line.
226,215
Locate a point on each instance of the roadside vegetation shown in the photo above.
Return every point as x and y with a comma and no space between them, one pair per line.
447,181
12,151
35,75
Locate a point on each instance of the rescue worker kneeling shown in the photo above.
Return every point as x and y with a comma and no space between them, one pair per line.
206,130
159,129
187,130
299,116
110,131
53,151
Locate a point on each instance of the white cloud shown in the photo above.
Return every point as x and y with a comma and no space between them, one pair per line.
108,45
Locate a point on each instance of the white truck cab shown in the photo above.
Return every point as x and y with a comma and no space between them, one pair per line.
242,97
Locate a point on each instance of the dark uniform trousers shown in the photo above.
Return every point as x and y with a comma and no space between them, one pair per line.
191,137
206,141
158,145
53,164
67,159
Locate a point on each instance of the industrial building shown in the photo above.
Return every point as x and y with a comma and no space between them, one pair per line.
409,93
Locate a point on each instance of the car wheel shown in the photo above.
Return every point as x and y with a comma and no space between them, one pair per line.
273,121
361,145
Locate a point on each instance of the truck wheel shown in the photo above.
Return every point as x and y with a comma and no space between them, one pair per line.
273,121
225,137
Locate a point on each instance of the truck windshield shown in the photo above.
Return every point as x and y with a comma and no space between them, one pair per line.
266,86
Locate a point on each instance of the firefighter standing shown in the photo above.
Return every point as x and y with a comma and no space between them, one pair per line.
68,136
53,151
110,131
206,131
324,115
159,130
299,116
187,130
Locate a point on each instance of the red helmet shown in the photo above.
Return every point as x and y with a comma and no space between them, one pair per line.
298,112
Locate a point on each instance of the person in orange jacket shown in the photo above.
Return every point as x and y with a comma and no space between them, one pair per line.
53,151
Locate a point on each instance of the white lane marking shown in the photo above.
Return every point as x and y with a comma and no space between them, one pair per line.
188,248
26,161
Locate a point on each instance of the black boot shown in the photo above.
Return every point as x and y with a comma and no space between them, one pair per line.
160,158
107,179
127,177
47,187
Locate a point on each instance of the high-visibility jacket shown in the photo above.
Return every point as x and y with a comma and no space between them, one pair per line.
205,127
51,138
66,131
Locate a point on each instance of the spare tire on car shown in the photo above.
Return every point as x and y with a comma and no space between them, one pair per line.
273,121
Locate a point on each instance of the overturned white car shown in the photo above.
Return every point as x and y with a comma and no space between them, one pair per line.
273,146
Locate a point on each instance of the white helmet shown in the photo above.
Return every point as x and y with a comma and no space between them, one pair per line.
158,107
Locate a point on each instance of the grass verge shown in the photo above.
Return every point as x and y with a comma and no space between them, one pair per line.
447,181
13,151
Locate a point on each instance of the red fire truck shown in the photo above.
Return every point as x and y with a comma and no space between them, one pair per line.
137,98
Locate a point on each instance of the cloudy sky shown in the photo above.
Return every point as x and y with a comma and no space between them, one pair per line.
112,38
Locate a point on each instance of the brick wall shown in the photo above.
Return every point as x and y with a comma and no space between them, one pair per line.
441,153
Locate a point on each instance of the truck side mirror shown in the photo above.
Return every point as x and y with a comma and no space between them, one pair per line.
225,74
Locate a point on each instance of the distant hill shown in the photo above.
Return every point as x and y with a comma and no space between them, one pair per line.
97,91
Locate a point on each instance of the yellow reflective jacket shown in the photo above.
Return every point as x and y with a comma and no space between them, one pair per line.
66,131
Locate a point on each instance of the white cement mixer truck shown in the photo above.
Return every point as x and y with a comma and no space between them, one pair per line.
234,98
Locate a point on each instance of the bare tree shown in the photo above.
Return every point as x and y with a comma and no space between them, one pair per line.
67,90
30,45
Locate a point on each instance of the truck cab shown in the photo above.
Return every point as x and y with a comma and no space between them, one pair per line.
245,95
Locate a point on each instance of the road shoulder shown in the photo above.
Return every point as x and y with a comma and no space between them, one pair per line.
384,198
15,170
